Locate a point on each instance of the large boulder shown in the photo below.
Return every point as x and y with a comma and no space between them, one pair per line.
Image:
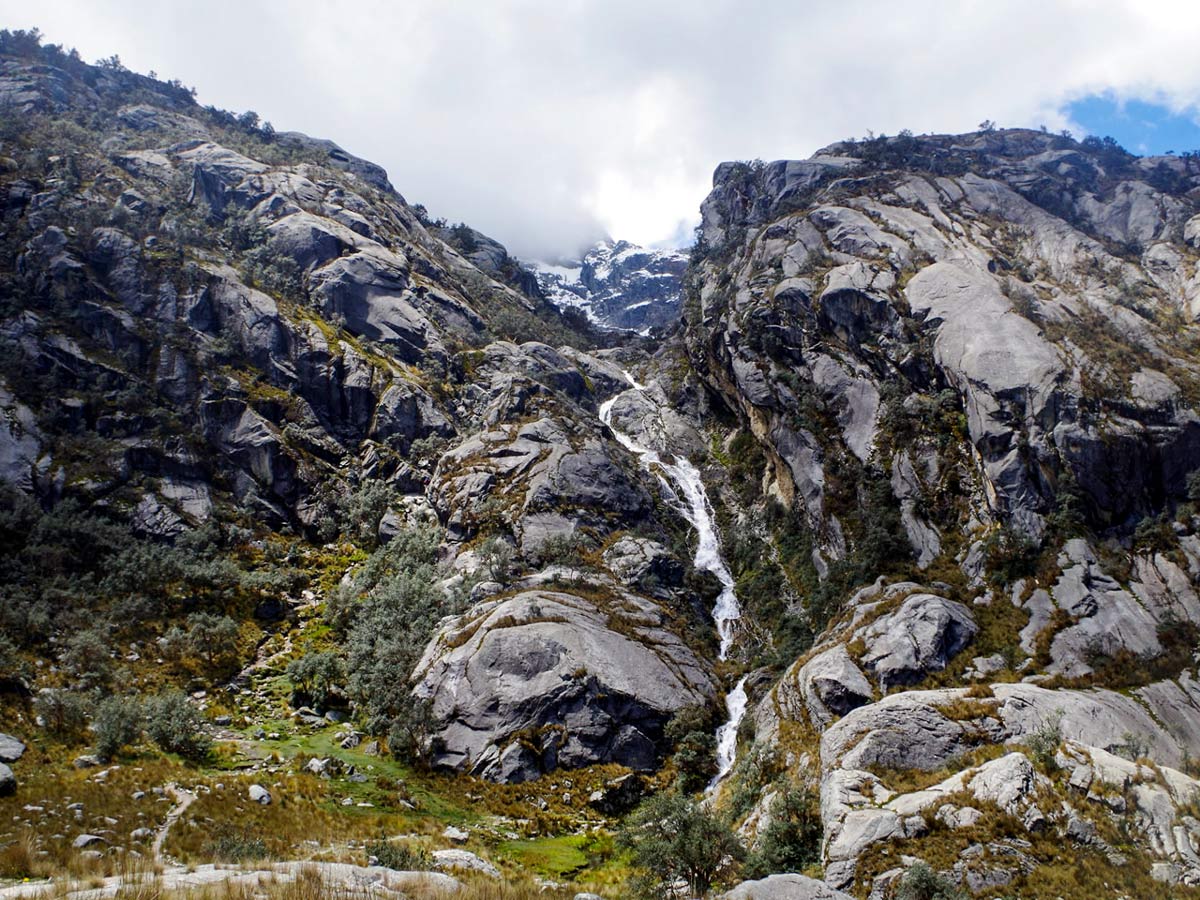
544,679
831,685
11,749
541,478
643,563
919,637
784,887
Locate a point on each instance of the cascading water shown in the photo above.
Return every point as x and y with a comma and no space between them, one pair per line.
687,487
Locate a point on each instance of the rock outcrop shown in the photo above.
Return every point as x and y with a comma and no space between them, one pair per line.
526,684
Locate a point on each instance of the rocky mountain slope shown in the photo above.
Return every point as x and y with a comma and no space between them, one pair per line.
922,443
618,285
969,363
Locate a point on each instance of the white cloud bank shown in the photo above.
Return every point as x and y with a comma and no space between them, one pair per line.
551,123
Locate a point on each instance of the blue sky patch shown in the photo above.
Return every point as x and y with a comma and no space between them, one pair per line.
1147,129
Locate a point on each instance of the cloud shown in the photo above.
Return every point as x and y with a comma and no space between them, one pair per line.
550,124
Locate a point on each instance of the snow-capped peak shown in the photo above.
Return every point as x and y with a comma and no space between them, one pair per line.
617,284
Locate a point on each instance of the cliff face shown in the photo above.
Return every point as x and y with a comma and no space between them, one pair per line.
970,365
269,294
207,324
1041,288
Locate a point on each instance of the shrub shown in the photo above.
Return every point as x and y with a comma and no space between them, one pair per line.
64,712
410,728
363,511
792,839
561,550
696,761
230,844
399,856
754,770
209,638
670,837
13,670
1154,535
1044,742
86,657
118,723
1193,486
175,726
1134,746
390,612
922,883
497,557
316,675
1010,556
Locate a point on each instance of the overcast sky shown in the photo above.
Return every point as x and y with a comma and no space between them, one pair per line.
549,124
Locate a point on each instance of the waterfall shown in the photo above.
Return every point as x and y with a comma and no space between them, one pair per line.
684,482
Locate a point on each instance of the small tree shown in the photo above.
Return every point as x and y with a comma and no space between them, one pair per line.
363,511
316,675
118,723
412,724
791,840
696,761
209,638
462,236
86,657
497,557
176,726
1045,741
63,712
672,838
1193,486
922,883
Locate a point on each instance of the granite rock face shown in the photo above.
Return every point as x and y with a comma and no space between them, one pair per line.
543,679
959,289
280,298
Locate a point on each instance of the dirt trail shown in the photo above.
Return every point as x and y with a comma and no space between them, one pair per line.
183,799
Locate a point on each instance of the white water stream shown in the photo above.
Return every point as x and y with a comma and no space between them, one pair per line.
688,488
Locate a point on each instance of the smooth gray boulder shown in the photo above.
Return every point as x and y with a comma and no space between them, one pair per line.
901,731
922,636
832,685
464,860
785,887
546,679
11,749
259,794
641,562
